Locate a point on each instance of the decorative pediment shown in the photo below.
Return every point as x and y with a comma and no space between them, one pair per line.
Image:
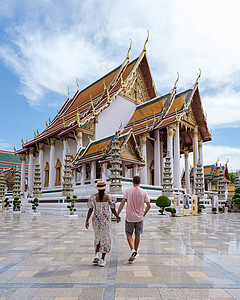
88,128
188,119
136,90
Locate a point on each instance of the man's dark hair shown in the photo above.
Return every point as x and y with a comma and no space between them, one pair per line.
136,180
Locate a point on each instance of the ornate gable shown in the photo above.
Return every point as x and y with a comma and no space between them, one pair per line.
135,90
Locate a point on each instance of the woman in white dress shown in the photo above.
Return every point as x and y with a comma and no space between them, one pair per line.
100,204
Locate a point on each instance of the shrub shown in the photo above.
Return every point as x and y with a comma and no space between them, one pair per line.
35,204
72,202
7,203
162,202
214,209
220,208
16,204
199,209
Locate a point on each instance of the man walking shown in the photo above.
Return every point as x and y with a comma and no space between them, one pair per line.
135,213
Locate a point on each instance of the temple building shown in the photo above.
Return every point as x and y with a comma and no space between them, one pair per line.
122,103
8,164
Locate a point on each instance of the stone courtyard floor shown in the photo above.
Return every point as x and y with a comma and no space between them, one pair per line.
50,257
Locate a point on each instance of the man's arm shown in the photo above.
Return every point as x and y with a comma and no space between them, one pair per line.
121,206
147,208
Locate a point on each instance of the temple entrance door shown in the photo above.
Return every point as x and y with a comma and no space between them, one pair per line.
152,173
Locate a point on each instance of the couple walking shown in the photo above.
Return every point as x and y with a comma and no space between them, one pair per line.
99,204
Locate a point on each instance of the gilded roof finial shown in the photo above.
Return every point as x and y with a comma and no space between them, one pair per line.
93,108
46,125
22,142
49,120
68,92
144,48
130,47
78,117
175,85
119,129
64,124
121,77
227,161
35,134
14,149
77,83
217,161
57,113
200,72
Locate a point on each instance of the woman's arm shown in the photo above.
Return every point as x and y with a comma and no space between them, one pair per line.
88,217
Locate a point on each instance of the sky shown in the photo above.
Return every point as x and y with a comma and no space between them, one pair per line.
46,45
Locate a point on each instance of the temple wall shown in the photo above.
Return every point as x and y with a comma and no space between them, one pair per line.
110,119
72,146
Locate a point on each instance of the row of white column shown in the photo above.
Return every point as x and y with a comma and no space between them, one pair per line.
173,147
52,158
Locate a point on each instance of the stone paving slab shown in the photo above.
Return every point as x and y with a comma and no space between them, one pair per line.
50,257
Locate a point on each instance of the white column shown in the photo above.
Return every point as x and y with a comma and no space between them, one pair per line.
195,151
177,168
93,172
157,167
187,175
52,164
30,171
135,170
65,147
23,171
161,159
40,160
83,174
170,146
126,171
144,173
79,140
104,171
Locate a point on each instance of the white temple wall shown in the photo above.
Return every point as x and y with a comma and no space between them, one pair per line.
58,152
110,119
72,147
46,158
85,140
150,157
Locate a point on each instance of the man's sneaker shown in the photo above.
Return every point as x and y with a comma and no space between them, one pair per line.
133,254
137,256
102,263
96,259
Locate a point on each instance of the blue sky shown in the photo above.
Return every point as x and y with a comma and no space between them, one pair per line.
45,45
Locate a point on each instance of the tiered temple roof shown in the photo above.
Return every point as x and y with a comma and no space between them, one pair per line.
101,150
9,160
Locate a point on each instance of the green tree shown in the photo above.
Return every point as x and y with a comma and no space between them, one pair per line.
162,202
232,177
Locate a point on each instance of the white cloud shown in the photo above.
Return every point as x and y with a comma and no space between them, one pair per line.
212,153
4,145
86,40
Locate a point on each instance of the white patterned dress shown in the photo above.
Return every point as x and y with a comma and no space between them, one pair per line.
101,222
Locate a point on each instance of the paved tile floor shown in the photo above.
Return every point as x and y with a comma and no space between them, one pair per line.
50,257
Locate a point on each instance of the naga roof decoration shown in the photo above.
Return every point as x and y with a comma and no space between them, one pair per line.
101,151
87,104
160,112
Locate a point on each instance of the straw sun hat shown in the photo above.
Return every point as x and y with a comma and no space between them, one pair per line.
101,185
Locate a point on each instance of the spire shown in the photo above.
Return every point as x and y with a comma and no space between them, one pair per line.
130,47
37,184
17,183
67,189
199,182
221,185
144,48
116,168
200,72
167,177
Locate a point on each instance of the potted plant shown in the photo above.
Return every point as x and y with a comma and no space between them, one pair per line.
72,202
16,204
162,202
214,210
172,210
35,204
220,209
199,209
7,204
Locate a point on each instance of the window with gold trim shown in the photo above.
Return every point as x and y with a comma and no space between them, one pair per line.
46,174
58,168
